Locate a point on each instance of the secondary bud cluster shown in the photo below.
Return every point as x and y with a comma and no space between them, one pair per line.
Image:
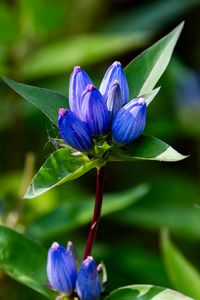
94,112
64,276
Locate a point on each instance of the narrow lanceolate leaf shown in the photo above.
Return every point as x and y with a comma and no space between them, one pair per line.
145,292
24,261
46,100
150,96
69,216
181,272
145,148
146,69
63,165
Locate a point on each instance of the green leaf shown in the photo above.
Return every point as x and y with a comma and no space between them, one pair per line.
150,96
69,216
24,261
181,272
145,292
61,166
47,101
81,50
145,148
146,69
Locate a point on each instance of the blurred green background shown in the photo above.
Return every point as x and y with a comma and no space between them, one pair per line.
40,42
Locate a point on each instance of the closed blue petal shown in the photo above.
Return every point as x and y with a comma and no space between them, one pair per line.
61,269
88,284
94,111
79,79
72,251
115,72
114,100
74,132
130,121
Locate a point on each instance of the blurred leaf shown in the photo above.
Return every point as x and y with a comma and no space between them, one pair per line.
82,50
61,166
150,64
149,16
37,18
145,148
8,25
181,272
24,261
145,292
47,101
69,216
159,209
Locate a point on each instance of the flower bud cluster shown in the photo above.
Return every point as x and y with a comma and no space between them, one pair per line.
64,277
96,112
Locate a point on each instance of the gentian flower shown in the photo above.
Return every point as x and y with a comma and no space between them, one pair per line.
130,121
61,269
114,100
115,72
74,132
79,79
88,284
94,112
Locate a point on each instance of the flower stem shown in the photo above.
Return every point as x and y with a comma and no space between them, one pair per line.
97,211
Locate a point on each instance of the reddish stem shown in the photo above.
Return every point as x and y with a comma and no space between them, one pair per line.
97,212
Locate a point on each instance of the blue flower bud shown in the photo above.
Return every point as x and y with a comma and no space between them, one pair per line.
114,100
79,79
94,111
72,251
115,72
74,132
88,285
130,121
61,269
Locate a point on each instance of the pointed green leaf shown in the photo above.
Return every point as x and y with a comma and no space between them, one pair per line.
150,96
145,148
146,69
24,261
61,166
71,215
181,272
145,292
47,101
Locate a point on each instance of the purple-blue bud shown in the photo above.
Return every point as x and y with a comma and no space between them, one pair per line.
130,121
115,72
61,269
74,132
88,284
94,111
79,79
114,100
72,251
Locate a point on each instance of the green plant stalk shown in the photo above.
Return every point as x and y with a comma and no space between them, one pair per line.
97,211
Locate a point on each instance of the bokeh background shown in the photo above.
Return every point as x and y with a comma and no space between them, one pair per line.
40,42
